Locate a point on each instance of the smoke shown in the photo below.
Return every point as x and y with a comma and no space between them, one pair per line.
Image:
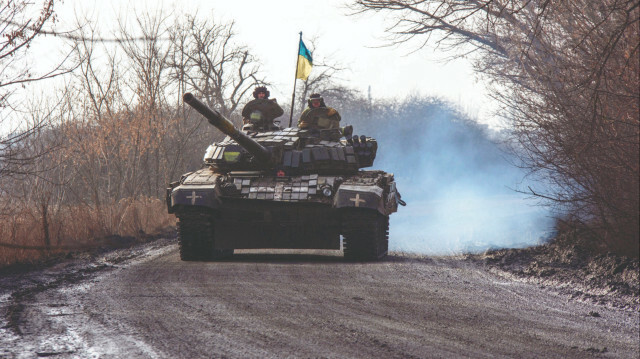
459,186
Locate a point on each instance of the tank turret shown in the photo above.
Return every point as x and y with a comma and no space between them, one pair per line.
290,150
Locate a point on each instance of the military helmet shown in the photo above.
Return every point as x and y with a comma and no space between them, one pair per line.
261,89
316,96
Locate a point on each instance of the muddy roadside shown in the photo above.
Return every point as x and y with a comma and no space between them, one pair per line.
21,283
570,268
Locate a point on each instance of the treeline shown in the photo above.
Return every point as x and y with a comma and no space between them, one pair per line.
97,154
567,76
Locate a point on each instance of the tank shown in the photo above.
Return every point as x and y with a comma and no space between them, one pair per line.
289,188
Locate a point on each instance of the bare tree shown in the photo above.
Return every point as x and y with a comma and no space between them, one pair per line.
150,79
212,65
21,22
42,192
567,76
36,193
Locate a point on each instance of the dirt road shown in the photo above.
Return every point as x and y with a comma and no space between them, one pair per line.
313,305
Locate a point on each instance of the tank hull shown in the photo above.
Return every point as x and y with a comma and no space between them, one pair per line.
207,188
252,211
253,224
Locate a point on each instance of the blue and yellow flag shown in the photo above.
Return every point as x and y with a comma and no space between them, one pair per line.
305,62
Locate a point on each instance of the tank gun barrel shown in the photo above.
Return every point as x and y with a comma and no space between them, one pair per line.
224,125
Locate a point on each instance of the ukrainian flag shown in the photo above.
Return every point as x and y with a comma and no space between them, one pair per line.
305,62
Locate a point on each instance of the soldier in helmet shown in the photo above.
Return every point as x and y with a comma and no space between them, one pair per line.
318,115
258,114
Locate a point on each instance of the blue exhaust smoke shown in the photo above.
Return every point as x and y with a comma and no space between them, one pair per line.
460,187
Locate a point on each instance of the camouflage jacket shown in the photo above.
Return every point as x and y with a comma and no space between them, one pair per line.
319,117
261,110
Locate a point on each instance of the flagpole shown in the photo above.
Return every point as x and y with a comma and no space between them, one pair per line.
293,96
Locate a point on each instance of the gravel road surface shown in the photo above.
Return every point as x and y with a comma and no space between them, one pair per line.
266,304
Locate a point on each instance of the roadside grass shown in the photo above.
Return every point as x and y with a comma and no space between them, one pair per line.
23,234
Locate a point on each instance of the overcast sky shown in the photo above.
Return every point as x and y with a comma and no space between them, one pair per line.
270,29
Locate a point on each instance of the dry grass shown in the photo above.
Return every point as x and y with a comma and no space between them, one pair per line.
22,234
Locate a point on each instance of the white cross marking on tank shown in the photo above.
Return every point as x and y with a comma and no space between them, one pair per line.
194,197
357,200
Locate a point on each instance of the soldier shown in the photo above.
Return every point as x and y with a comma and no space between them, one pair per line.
318,115
258,114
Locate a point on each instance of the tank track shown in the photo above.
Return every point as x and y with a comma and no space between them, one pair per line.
196,238
366,235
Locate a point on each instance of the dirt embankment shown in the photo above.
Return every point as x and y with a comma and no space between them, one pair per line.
571,268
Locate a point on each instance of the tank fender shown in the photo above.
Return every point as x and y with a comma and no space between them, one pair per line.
360,196
172,185
393,198
190,196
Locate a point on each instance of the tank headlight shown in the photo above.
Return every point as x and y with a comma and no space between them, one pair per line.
327,191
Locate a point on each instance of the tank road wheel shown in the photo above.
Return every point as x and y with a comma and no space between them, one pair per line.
196,238
366,236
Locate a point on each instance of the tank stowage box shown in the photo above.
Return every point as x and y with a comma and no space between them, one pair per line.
290,188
